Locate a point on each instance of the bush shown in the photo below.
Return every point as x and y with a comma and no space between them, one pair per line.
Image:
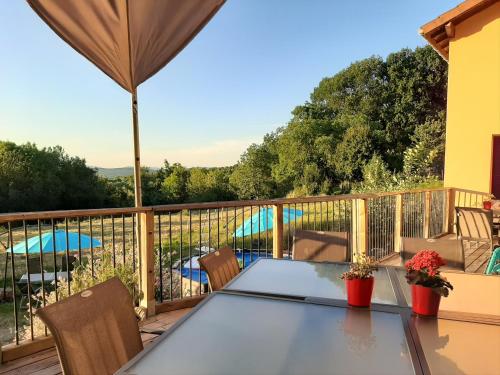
83,278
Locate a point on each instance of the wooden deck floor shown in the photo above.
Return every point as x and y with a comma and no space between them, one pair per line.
47,363
477,256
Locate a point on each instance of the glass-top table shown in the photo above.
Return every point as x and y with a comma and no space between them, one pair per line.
306,280
290,317
245,334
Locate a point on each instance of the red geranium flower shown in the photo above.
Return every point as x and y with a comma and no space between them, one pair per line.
426,261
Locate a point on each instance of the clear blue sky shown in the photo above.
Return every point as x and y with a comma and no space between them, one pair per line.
237,80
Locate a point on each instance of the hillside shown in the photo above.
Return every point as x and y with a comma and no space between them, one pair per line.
115,172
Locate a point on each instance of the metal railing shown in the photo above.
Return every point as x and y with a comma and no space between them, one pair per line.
185,232
156,247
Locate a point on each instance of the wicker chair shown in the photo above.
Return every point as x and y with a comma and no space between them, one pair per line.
475,231
96,331
221,267
34,264
448,248
320,246
68,261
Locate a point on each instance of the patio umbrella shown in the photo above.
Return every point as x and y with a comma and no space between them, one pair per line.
265,217
129,40
47,241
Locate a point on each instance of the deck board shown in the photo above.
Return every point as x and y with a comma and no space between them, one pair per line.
46,362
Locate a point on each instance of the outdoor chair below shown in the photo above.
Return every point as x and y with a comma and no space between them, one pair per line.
221,267
95,331
67,263
447,247
475,231
320,246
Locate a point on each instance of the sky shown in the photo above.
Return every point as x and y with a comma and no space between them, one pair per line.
239,79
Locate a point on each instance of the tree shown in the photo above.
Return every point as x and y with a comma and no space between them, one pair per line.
353,152
46,179
251,178
426,157
175,186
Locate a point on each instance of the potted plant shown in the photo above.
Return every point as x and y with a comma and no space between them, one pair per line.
427,285
359,281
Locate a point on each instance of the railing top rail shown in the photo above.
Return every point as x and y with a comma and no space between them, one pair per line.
474,192
263,202
415,191
43,215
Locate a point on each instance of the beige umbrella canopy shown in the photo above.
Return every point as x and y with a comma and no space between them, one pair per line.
129,40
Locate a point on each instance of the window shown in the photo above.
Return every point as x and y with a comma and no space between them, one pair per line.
495,167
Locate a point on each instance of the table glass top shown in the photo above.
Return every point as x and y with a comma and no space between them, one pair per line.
235,334
307,279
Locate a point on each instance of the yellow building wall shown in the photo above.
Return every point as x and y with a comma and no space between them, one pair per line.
473,114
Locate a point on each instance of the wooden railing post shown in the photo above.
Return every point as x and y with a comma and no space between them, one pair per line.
359,226
146,241
450,211
278,231
427,213
398,222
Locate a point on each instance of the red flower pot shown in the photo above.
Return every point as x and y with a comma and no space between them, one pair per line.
359,292
424,300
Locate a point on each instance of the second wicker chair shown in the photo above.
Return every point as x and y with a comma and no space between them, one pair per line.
221,267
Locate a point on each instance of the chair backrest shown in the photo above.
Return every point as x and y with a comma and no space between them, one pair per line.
474,224
447,247
70,262
95,331
320,246
221,267
34,264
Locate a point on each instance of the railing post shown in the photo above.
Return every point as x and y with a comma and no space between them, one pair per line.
146,241
278,231
427,213
450,211
359,225
398,222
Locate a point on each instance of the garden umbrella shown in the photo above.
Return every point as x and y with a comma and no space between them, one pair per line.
265,217
47,241
129,40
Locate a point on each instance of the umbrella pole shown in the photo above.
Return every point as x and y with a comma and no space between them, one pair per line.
137,183
5,274
137,151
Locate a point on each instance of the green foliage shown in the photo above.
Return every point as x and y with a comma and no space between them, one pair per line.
252,178
83,278
45,179
376,177
175,185
209,184
353,152
426,157
362,267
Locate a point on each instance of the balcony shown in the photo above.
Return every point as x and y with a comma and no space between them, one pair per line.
160,244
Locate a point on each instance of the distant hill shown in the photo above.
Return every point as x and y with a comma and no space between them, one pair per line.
115,172
118,172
